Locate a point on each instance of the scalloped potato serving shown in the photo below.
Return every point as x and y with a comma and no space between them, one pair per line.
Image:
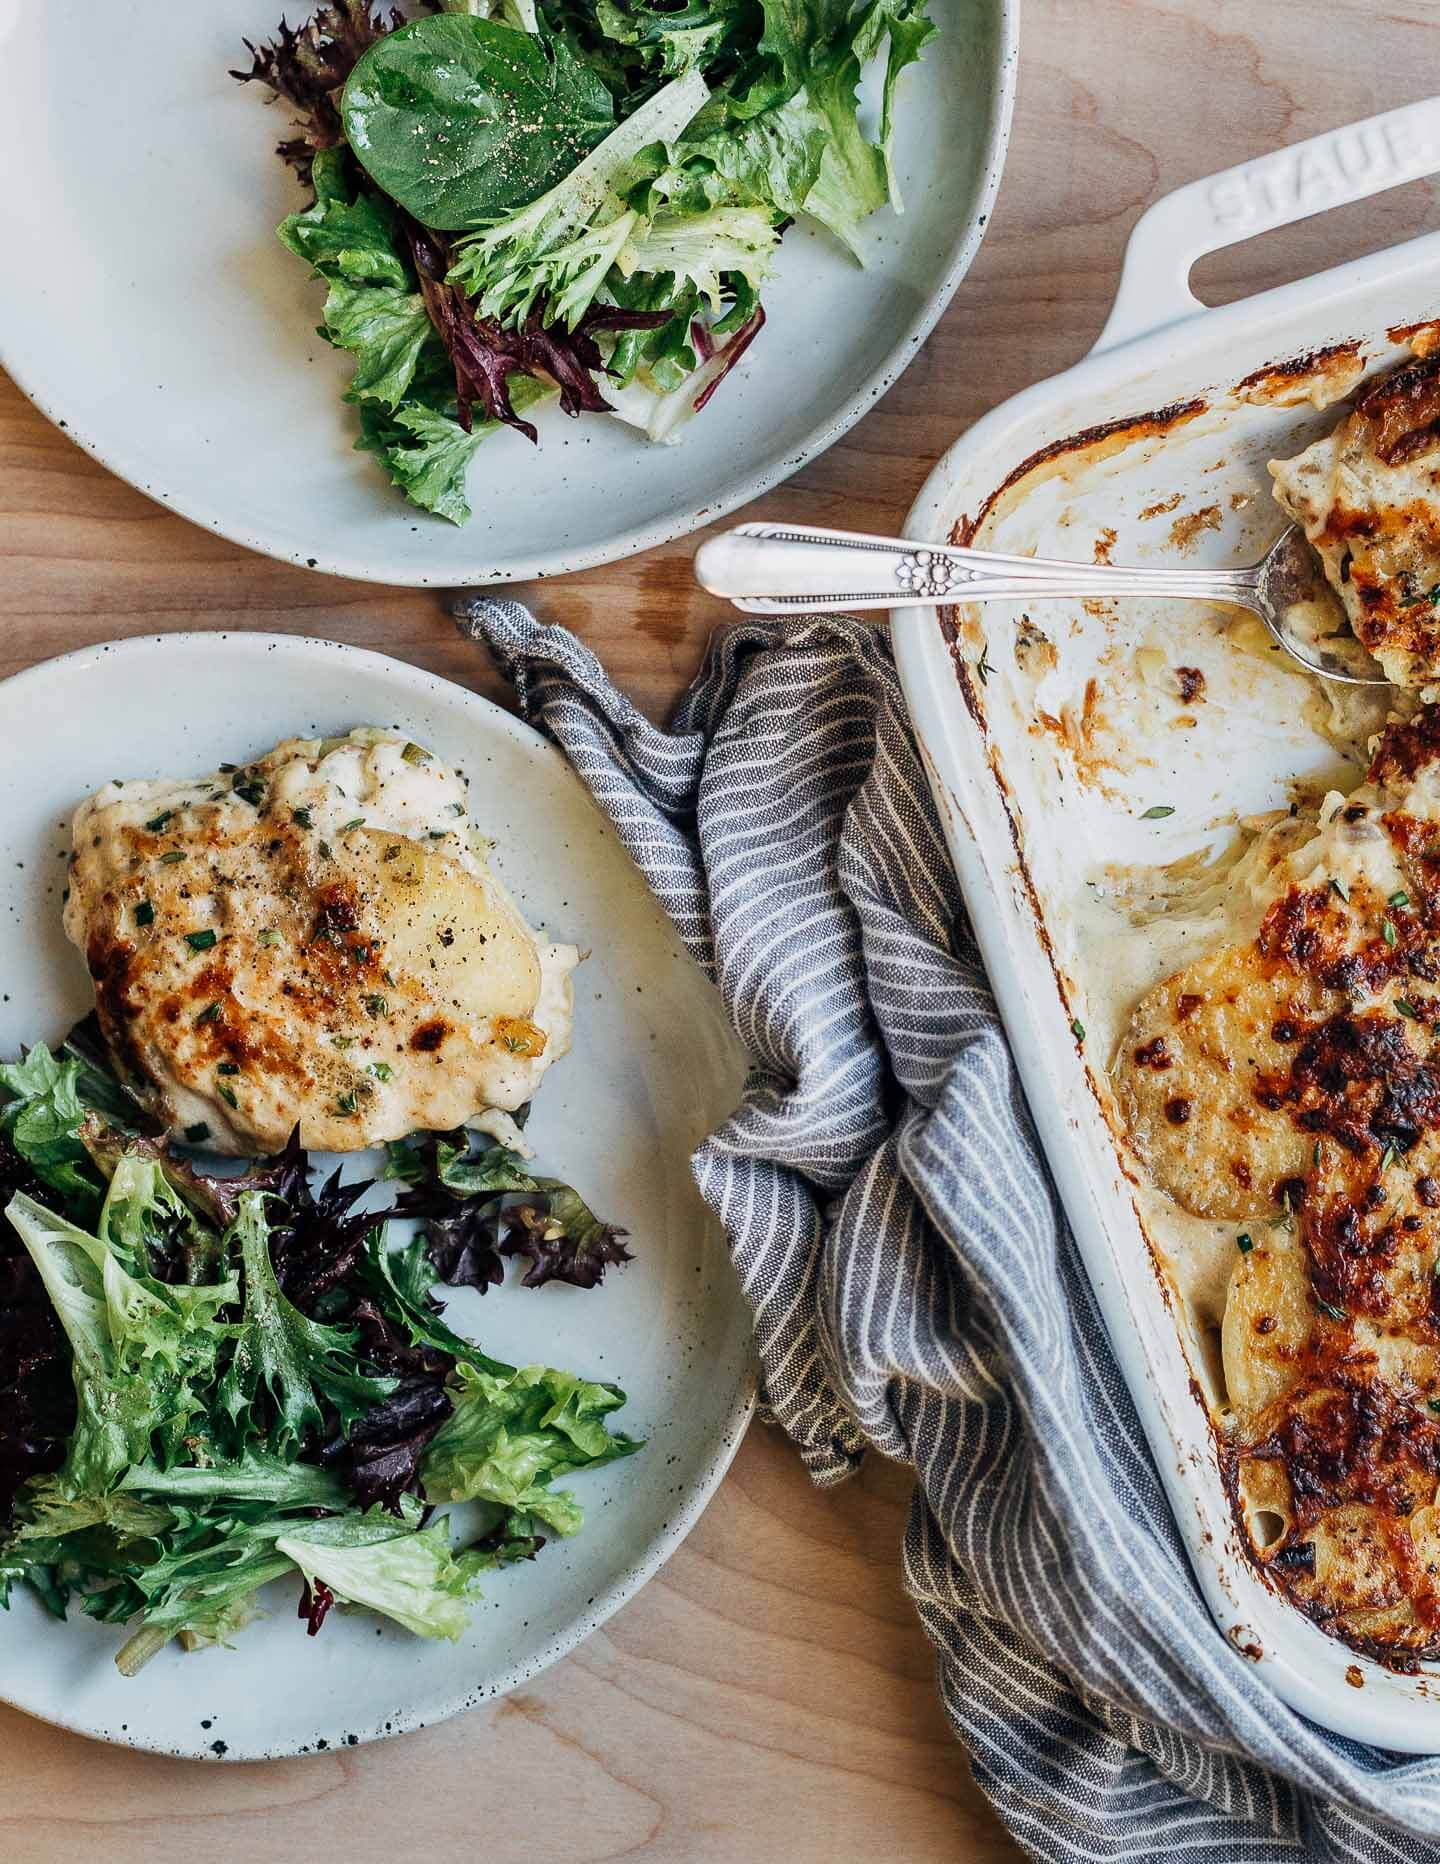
1288,1084
1368,495
316,937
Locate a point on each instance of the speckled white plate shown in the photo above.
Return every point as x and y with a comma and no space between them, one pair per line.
654,1067
152,313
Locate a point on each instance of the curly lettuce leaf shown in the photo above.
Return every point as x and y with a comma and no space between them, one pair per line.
286,1368
704,250
153,1230
142,1352
909,29
208,1564
478,1207
41,1117
425,450
556,251
512,1433
341,235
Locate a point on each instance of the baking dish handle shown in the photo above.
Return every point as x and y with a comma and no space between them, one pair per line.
1292,184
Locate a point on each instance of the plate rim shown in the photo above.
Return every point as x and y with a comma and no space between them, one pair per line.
729,496
659,1549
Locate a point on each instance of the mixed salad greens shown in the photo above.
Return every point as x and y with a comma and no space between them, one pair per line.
210,1382
518,198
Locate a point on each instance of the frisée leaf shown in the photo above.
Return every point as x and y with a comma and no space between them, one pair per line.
286,1367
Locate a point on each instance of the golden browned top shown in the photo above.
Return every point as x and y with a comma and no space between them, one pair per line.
314,938
1368,495
1289,1084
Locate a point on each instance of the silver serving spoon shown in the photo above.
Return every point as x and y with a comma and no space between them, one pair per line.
780,569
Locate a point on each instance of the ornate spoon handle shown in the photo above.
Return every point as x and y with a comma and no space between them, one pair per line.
777,569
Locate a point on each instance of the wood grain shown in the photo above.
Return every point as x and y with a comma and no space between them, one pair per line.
769,1695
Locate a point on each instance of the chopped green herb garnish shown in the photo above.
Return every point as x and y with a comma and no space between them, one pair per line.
439,834
381,1070
377,1005
200,941
346,1103
249,789
1407,1008
302,818
415,754
343,1042
1388,933
455,808
157,823
1330,1311
350,827
1400,899
1244,1242
1388,1158
1077,1029
228,770
169,860
1341,889
983,667
327,853
144,914
210,1014
1433,1403
198,1132
267,935
226,1067
227,1094
1156,811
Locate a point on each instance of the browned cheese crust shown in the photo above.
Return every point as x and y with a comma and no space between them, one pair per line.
1368,495
1290,1084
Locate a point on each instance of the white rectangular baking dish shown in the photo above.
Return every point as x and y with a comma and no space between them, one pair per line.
1155,447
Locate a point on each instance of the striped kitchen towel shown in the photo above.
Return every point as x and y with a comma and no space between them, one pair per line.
913,1282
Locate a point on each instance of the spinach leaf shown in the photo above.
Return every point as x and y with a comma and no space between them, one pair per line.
463,120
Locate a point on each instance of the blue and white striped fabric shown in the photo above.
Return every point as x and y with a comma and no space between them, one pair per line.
913,1282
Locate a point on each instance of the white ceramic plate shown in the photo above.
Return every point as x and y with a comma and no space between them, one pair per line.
153,314
654,1067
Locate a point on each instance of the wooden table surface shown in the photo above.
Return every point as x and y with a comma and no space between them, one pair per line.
769,1695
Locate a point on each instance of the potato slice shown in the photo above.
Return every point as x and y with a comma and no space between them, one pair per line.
455,932
1269,1318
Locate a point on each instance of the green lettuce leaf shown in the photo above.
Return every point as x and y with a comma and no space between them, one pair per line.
143,1352
426,451
909,30
512,1433
773,158
415,1578
346,233
373,310
255,1476
208,1563
147,1223
557,251
701,249
386,330
41,1116
284,1366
